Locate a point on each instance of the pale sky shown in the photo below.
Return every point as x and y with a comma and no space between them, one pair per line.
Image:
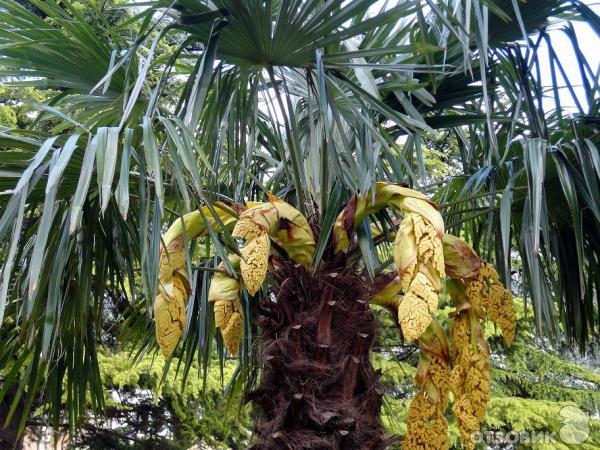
589,42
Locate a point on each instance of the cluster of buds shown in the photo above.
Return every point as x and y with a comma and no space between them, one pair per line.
427,428
470,376
169,314
488,293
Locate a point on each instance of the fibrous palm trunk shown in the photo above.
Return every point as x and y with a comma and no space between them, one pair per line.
318,389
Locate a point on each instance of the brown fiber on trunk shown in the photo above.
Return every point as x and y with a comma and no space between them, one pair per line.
318,389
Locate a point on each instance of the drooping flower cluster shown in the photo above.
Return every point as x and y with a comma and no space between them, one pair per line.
255,262
229,317
427,428
418,248
476,291
169,314
495,298
475,288
470,376
419,258
173,285
483,290
278,221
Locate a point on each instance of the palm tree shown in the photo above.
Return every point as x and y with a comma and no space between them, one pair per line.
318,388
186,105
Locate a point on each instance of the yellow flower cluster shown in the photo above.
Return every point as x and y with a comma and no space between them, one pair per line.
427,426
460,334
499,304
278,221
475,290
488,292
419,258
171,260
169,316
439,376
255,262
414,316
470,376
173,286
246,228
422,288
229,317
431,249
255,252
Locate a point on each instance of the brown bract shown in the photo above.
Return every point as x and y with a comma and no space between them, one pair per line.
460,259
